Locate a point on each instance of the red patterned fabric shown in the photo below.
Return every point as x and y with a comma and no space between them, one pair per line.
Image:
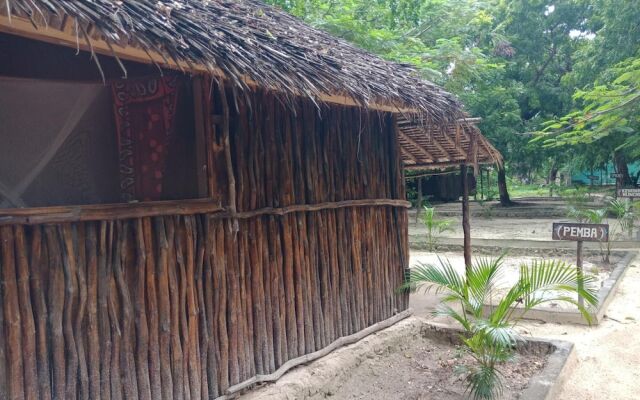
145,112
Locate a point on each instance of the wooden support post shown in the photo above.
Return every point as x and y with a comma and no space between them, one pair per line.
465,216
580,274
202,143
419,205
481,184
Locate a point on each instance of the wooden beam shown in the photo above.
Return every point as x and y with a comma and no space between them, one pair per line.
111,212
457,148
106,212
23,27
420,148
408,155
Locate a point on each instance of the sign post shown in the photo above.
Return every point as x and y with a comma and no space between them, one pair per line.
629,192
580,233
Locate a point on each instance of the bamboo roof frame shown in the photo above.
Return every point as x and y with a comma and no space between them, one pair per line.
420,142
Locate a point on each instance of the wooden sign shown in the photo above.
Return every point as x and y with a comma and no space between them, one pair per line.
580,232
629,192
615,176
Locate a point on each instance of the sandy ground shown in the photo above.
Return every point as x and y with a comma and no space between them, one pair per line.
503,228
404,361
608,355
424,369
608,366
592,265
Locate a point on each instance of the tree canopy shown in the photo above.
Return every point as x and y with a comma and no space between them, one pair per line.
556,83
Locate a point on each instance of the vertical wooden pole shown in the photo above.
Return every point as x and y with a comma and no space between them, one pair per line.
465,217
202,144
419,205
580,274
481,184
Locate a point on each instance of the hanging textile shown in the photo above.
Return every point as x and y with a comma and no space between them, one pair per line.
145,112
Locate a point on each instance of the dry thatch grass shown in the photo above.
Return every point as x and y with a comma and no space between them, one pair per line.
246,38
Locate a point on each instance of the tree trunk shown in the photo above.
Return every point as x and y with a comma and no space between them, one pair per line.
419,204
621,168
551,178
505,201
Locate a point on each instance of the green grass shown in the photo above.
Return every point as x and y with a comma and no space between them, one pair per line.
536,190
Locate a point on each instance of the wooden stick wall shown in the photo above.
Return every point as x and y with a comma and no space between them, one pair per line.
184,306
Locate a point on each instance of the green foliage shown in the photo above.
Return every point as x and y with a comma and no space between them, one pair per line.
490,336
577,201
610,108
435,227
568,69
625,213
604,85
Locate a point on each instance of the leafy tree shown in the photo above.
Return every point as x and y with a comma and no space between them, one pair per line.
517,64
605,88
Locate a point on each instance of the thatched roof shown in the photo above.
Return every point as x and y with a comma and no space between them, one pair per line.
245,40
426,146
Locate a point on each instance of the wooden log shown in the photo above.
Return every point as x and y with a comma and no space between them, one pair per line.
182,305
26,317
220,289
192,311
295,326
277,294
244,339
270,317
152,312
203,325
343,341
92,329
164,308
129,378
12,320
105,212
227,154
56,306
79,323
210,309
177,358
142,328
41,314
258,307
115,243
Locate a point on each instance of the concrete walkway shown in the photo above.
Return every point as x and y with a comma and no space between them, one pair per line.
608,355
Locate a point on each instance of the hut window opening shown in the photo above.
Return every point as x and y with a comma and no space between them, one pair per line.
76,143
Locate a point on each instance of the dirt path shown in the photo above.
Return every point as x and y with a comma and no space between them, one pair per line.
608,356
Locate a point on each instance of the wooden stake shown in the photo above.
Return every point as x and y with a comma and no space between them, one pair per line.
465,217
580,271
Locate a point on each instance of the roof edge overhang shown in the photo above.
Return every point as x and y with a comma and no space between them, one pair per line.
66,37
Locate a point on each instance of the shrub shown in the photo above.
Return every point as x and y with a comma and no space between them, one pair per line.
490,336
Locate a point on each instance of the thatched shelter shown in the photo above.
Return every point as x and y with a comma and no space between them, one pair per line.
195,195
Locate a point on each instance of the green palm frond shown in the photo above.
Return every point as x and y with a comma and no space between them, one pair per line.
442,278
556,276
444,310
499,334
491,336
485,383
482,278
